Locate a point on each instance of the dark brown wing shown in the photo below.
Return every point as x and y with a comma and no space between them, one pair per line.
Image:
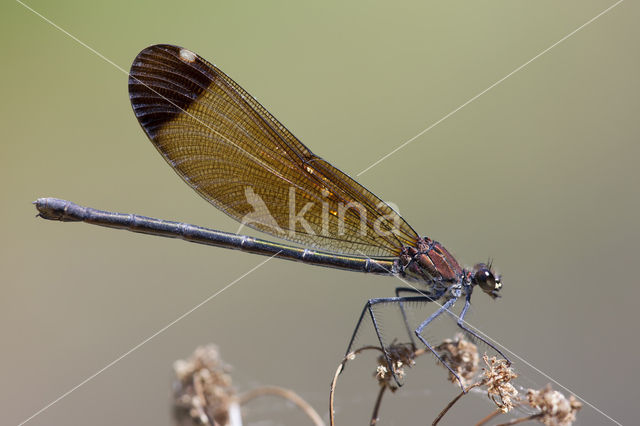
237,156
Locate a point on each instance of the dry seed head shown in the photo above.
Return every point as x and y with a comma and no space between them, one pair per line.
401,356
381,372
555,408
204,386
497,378
462,356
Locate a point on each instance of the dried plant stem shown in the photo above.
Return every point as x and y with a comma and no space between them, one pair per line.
452,403
334,382
462,361
484,421
332,391
286,394
376,407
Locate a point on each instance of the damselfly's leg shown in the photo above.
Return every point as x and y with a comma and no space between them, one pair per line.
368,307
426,322
404,313
462,325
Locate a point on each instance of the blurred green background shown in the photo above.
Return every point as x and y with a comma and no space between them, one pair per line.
540,173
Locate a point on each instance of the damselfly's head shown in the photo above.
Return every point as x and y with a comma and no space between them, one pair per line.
488,281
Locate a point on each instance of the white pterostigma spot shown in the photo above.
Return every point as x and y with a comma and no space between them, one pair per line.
187,55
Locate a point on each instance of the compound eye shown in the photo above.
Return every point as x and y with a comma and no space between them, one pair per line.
486,280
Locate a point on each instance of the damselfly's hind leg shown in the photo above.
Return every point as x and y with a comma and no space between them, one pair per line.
410,331
461,324
424,324
368,308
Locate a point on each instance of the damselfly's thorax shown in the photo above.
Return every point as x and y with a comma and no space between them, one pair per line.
432,264
429,262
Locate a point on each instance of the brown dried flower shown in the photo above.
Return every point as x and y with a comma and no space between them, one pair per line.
462,356
204,386
401,356
497,377
555,408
